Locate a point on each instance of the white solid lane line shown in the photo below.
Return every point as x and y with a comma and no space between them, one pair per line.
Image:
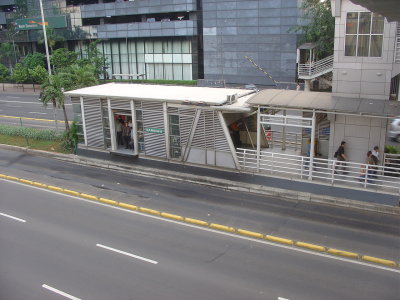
128,254
280,298
14,218
39,113
60,292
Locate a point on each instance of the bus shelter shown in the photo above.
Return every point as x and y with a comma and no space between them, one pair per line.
177,123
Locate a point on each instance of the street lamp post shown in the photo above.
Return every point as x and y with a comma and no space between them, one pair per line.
45,38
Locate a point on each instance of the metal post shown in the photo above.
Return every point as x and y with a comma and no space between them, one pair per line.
284,130
258,137
166,130
134,129
228,139
45,38
83,121
112,126
312,146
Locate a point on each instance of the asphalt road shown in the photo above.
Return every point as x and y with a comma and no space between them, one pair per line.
27,106
91,251
357,231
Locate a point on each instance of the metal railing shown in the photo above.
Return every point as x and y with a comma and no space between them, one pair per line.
316,68
324,170
288,140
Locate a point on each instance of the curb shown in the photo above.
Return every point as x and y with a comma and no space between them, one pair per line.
213,182
218,227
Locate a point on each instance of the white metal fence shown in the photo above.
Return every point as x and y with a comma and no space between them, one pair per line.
325,170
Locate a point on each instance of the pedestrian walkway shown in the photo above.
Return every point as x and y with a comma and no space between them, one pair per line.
277,186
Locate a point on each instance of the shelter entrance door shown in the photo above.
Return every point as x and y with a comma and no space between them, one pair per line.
123,131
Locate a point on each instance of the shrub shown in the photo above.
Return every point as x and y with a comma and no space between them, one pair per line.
31,133
392,149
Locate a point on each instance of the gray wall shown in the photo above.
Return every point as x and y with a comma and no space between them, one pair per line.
258,29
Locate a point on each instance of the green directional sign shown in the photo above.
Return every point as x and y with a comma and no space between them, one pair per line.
154,130
36,23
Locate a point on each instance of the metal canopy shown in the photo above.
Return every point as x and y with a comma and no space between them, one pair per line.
287,99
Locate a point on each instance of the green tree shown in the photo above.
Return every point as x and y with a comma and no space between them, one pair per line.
20,73
53,92
76,77
33,60
4,74
95,58
52,38
6,53
62,58
38,74
317,26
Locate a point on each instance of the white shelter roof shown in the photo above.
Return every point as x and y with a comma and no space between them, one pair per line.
177,94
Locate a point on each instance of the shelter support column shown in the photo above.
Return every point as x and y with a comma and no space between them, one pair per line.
134,129
228,139
112,126
312,146
191,135
166,130
307,85
258,137
83,121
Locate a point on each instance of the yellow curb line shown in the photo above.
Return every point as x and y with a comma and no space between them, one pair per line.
33,119
279,240
196,222
311,246
250,233
149,211
381,261
108,201
342,253
220,227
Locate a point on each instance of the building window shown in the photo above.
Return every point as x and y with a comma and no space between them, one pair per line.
174,136
364,34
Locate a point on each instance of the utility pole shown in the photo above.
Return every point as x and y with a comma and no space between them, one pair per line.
45,38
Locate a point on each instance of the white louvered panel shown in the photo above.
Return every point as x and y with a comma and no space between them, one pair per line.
209,129
186,118
138,104
153,117
173,110
199,139
94,124
121,103
220,139
397,54
75,100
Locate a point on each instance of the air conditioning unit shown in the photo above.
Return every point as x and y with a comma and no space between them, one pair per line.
232,98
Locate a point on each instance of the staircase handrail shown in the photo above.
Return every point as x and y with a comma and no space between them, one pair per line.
316,67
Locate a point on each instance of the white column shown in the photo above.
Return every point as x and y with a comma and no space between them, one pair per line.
312,146
307,85
134,129
258,137
166,130
83,121
112,126
228,139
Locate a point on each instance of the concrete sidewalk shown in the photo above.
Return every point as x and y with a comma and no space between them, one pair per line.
230,180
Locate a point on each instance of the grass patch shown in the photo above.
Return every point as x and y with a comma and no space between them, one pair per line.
46,145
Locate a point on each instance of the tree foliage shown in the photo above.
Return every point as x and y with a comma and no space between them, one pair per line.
4,73
62,58
52,38
20,73
31,61
38,74
318,25
6,53
95,58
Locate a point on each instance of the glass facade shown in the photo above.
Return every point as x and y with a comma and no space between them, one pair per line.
155,59
364,34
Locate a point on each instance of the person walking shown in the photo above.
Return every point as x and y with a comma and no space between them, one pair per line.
367,169
118,127
126,134
341,157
